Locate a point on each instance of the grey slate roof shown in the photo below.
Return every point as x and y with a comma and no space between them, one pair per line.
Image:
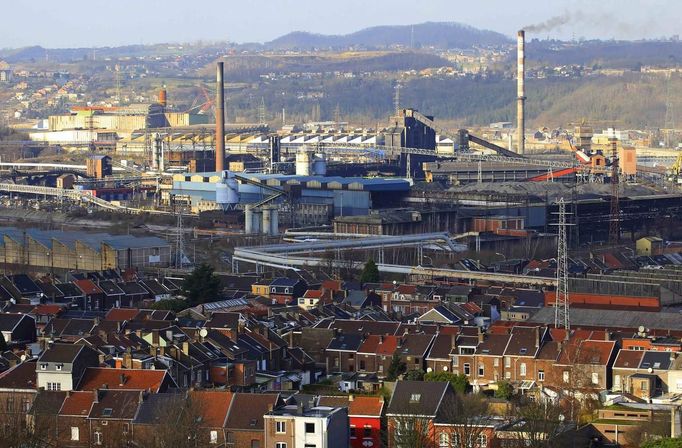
614,318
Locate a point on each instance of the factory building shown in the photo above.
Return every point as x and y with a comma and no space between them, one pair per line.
40,250
336,196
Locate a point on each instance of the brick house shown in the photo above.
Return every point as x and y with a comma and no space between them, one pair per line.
245,425
341,352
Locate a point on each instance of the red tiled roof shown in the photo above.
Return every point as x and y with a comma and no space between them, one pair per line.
313,294
595,352
47,309
407,289
471,307
629,359
213,406
388,347
134,379
333,285
612,261
366,406
121,314
88,286
77,403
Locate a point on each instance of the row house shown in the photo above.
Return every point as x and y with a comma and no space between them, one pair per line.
365,418
302,426
646,374
407,299
17,328
375,354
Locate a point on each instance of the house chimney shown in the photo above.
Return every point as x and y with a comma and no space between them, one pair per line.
95,395
481,336
453,340
185,347
300,408
521,91
220,119
537,337
381,339
350,397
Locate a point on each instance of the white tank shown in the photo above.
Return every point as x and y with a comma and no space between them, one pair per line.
221,195
303,162
319,165
267,222
248,219
232,189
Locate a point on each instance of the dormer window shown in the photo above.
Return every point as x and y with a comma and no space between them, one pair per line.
59,366
415,398
273,289
286,290
43,366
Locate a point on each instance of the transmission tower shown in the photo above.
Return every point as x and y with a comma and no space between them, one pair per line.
396,98
614,216
669,125
179,242
261,111
561,302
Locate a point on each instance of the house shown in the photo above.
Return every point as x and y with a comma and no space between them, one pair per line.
341,352
17,328
438,358
645,374
134,294
94,296
375,354
113,295
303,426
413,348
17,391
152,381
69,330
285,290
365,414
245,425
62,366
614,423
156,290
155,411
212,407
111,416
26,286
587,364
414,409
72,295
72,424
359,299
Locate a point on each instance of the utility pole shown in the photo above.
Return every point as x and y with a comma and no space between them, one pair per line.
261,111
179,242
561,302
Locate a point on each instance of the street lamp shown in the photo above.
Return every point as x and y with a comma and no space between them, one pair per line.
504,257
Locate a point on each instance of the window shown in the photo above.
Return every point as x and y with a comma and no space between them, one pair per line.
507,375
595,378
467,369
43,366
310,428
255,444
280,427
522,369
414,398
645,386
541,375
482,441
455,361
280,445
381,368
444,440
54,386
214,437
98,438
566,376
616,382
352,432
126,428
75,434
368,431
481,370
496,362
507,361
362,364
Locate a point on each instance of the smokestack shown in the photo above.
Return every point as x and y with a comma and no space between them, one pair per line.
220,120
521,91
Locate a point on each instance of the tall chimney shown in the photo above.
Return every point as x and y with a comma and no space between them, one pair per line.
521,91
220,120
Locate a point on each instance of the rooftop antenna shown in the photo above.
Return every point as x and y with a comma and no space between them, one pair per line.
179,242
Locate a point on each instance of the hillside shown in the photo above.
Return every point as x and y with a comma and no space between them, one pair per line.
429,34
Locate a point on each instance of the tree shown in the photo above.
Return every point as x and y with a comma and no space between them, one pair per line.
370,273
396,368
414,375
175,305
504,390
179,419
459,382
664,443
540,424
202,285
650,431
467,417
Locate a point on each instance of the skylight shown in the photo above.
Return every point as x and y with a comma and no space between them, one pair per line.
107,412
415,398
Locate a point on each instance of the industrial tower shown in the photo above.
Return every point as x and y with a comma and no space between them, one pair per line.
561,302
614,217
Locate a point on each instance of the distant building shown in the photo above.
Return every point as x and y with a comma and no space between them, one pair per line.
5,72
299,426
649,245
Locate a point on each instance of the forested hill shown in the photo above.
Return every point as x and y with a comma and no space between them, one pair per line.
430,34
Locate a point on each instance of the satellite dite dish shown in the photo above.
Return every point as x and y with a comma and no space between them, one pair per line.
22,358
650,370
203,333
641,329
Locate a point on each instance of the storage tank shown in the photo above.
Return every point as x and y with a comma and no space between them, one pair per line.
303,161
248,219
319,165
267,222
232,189
222,196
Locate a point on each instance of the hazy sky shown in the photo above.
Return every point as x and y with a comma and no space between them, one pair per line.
74,23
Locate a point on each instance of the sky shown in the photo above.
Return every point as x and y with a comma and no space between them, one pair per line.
96,23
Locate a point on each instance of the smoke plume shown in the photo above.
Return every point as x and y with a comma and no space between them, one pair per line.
552,23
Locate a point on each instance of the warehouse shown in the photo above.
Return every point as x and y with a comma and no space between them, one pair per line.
53,251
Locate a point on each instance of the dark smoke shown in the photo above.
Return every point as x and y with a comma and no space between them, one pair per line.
552,23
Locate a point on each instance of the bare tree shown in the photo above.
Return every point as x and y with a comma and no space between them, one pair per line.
656,428
540,424
467,416
177,425
411,430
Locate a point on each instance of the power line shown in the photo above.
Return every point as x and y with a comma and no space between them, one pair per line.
561,302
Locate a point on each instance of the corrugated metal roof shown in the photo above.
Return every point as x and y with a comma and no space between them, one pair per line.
91,240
